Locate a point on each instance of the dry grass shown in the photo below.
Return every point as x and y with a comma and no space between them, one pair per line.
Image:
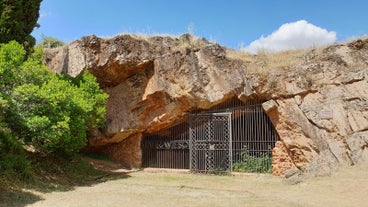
353,39
263,61
348,187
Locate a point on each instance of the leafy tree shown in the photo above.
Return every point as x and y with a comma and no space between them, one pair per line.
11,58
17,21
3,108
56,115
12,157
52,112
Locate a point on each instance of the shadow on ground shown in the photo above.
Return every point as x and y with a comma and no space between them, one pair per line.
56,175
17,198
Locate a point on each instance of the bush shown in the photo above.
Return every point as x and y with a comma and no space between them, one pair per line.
253,164
12,158
3,108
57,115
11,57
51,112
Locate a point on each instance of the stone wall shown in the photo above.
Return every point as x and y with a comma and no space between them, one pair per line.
128,151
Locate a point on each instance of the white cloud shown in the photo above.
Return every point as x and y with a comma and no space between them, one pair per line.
295,35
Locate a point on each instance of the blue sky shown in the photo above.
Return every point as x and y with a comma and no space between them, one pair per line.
231,23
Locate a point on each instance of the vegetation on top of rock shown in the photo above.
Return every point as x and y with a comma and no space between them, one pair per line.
50,42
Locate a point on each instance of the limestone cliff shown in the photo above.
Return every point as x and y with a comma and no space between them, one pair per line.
317,99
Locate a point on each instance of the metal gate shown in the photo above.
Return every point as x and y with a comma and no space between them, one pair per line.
233,136
168,148
210,142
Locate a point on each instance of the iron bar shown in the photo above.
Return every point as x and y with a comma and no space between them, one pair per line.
213,140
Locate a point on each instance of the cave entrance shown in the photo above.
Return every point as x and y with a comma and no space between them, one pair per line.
168,148
233,136
210,142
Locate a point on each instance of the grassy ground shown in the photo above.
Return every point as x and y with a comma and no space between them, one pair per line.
50,174
347,187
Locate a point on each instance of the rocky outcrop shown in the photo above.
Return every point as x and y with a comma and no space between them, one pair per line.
318,102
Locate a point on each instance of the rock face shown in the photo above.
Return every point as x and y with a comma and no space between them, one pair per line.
318,102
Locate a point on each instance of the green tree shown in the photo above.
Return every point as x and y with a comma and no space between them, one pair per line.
11,58
56,116
52,112
17,21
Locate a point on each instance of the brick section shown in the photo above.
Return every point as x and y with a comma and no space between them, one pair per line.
280,160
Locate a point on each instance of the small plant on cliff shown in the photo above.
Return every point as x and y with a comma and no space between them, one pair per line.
253,164
51,42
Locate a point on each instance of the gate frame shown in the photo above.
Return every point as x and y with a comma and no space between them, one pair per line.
229,142
244,123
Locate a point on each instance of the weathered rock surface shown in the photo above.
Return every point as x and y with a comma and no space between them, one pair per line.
318,103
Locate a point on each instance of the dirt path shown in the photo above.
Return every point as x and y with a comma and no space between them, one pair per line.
348,187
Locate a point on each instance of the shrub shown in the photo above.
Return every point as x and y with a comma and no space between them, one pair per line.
3,107
52,112
253,164
12,159
11,57
56,116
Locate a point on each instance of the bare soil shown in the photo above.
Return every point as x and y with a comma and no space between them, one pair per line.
347,187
